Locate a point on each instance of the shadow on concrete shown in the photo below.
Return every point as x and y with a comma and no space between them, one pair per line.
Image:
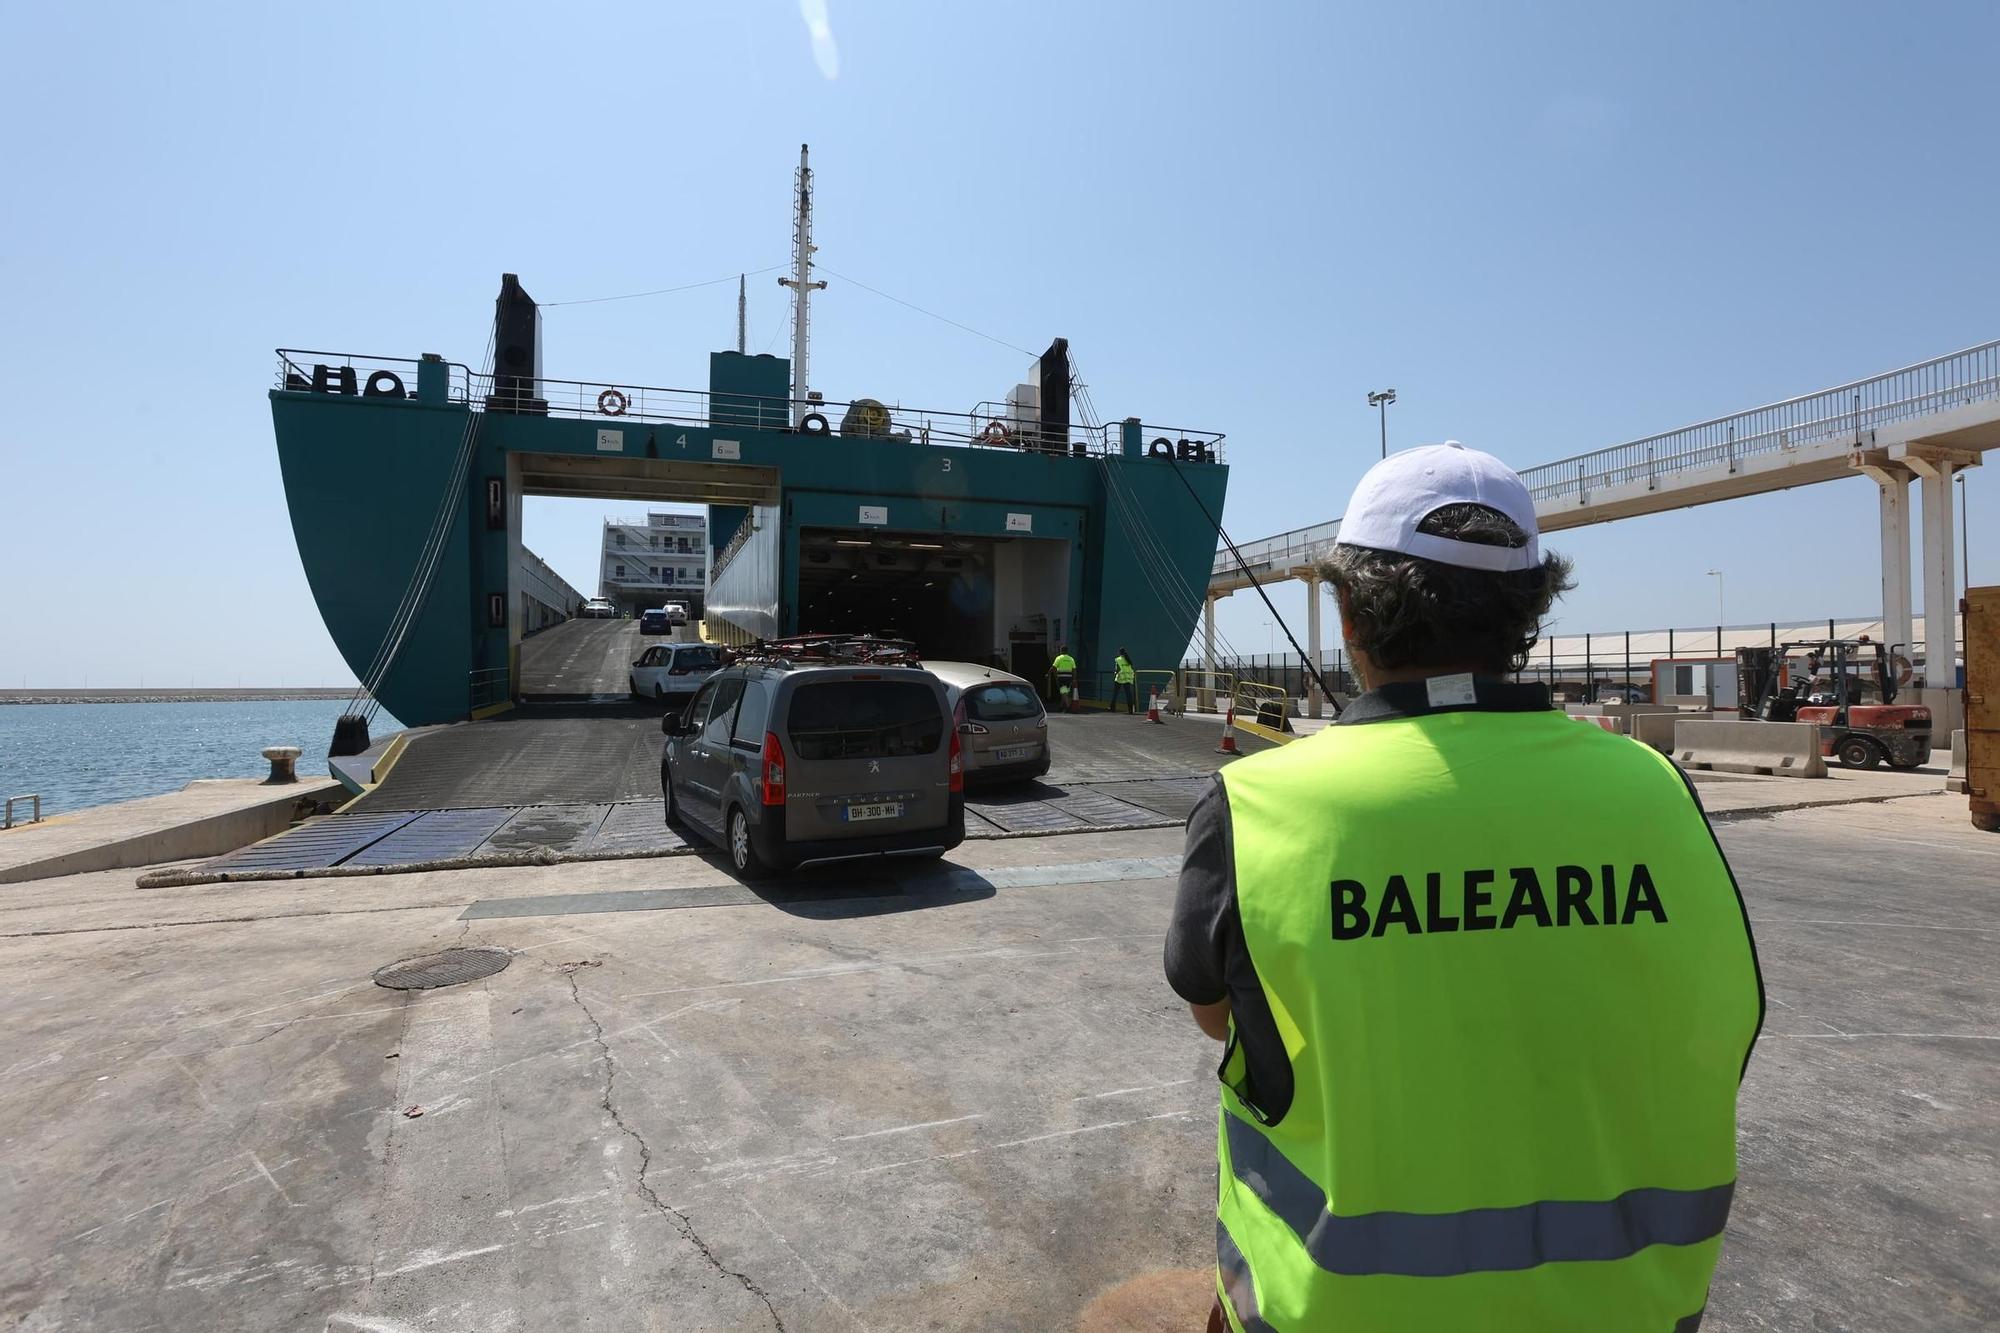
847,890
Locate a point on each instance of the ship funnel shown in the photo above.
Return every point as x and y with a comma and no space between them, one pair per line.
517,351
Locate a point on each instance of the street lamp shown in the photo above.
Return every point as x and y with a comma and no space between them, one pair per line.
1718,596
1380,401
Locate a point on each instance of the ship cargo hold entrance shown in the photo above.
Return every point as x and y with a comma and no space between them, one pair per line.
1000,601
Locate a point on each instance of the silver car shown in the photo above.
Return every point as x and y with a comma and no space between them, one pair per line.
670,672
1000,719
782,763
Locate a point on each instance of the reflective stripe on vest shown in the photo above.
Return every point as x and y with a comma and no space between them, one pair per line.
1477,1240
1515,985
1238,1288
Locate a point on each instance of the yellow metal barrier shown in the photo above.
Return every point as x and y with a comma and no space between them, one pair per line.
1171,699
1251,699
1205,685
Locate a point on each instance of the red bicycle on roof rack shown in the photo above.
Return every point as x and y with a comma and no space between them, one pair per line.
858,649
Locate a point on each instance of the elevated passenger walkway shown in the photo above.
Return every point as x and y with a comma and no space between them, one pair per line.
1923,422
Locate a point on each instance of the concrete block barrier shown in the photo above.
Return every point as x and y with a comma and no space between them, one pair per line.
1655,727
1614,725
1955,780
1787,749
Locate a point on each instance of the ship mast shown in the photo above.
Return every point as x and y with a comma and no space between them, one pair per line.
742,317
802,285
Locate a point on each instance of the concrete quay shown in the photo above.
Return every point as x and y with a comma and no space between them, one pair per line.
959,1098
205,818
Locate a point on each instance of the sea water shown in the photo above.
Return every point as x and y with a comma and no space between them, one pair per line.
78,755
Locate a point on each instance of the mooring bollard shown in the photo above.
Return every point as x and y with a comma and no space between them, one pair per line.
284,762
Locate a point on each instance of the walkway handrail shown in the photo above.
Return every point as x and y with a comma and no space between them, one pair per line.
1852,410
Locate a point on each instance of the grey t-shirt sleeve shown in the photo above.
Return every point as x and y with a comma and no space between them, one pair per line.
1204,930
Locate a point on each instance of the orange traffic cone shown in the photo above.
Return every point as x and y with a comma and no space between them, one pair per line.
1153,708
1228,745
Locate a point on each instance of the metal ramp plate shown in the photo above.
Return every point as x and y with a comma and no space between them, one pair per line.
978,826
1029,816
1094,807
1170,798
635,826
439,835
556,828
315,845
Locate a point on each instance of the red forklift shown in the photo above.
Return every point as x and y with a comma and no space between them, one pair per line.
1847,686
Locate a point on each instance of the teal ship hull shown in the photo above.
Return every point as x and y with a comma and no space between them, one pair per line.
978,538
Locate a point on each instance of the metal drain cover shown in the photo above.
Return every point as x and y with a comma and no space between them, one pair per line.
452,967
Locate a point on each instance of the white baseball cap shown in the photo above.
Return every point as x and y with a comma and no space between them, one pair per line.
1404,489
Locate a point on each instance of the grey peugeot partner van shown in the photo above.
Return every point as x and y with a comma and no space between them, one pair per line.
781,762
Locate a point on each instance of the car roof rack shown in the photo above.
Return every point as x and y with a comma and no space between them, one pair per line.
832,650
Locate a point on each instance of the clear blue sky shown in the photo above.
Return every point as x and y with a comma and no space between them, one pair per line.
1551,228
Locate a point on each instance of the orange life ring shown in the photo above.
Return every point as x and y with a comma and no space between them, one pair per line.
995,433
1904,669
612,403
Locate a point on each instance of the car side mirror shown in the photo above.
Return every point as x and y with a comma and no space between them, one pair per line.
675,723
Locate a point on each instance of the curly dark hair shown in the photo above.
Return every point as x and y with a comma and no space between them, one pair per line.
1403,611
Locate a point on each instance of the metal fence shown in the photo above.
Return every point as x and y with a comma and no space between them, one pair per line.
1589,668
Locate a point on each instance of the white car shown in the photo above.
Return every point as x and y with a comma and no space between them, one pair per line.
673,670
599,608
677,613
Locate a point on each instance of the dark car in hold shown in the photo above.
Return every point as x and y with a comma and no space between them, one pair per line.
655,620
1002,726
783,759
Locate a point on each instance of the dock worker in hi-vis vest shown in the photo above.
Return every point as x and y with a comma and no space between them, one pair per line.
1063,671
1486,984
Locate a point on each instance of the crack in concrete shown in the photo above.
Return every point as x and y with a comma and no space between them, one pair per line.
674,1216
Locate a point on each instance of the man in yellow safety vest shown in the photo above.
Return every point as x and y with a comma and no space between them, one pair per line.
1486,983
1063,669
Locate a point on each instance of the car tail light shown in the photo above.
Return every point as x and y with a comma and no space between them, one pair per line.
772,777
957,764
964,724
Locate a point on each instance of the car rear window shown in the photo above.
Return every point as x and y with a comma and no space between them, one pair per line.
1006,702
864,719
697,659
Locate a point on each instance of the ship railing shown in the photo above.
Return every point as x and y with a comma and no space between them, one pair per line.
488,686
300,371
737,540
989,425
1003,426
613,402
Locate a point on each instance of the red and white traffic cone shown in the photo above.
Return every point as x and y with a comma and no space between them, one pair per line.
1228,745
1153,707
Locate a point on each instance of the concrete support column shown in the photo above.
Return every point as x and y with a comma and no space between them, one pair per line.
1892,485
1313,701
1940,574
1205,697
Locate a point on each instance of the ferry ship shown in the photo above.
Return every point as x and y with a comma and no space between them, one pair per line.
994,535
